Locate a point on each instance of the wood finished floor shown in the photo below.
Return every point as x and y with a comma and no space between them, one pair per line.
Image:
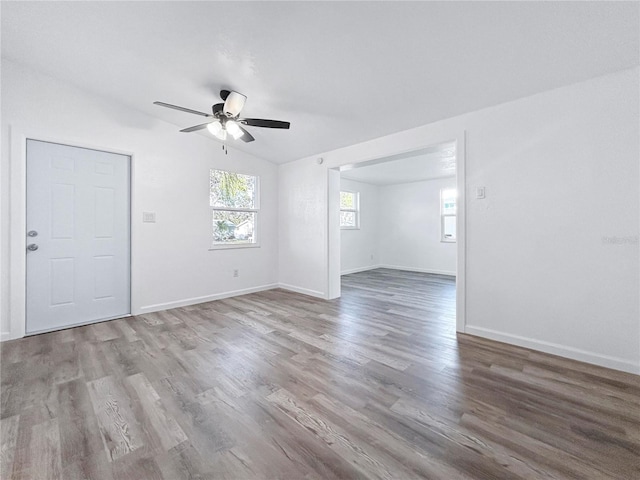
281,385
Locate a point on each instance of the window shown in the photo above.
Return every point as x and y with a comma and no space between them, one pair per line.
234,201
349,210
448,207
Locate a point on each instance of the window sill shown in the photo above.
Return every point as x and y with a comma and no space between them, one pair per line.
233,247
349,228
447,241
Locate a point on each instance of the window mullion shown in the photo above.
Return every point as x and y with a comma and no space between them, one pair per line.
229,209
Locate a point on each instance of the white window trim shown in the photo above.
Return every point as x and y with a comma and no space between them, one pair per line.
444,239
221,246
255,210
355,210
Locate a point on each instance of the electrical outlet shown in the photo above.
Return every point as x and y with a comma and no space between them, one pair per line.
235,273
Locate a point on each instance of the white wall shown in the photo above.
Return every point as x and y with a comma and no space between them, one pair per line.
302,227
172,264
409,234
359,248
399,228
561,173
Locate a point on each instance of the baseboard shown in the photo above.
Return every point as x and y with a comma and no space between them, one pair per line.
304,291
556,349
419,270
207,298
4,336
359,269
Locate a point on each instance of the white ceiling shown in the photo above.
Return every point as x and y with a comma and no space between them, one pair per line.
340,72
434,162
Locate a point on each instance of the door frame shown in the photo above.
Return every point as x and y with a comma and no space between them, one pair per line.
18,221
332,250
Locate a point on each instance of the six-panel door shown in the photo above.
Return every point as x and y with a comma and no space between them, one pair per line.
78,255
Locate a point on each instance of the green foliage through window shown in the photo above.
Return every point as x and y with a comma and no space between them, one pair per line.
349,209
347,201
232,190
233,200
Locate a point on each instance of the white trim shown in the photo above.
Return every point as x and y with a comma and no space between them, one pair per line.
17,240
334,235
418,270
304,291
444,239
443,216
18,220
231,246
607,361
235,209
355,210
255,210
206,298
360,269
461,232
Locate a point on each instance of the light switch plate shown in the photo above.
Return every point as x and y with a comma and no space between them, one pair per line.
480,192
149,217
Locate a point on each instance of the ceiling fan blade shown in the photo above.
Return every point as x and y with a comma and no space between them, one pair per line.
247,137
195,128
259,122
217,108
234,103
224,94
182,109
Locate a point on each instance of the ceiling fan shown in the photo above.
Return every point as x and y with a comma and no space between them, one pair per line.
224,119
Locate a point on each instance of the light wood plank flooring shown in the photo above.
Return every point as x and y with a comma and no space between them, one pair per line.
281,385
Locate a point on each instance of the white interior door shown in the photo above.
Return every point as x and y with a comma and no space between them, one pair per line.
78,247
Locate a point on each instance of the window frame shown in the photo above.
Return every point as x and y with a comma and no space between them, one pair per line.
355,210
255,210
443,216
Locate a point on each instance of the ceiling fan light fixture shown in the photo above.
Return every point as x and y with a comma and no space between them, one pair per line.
234,129
233,104
215,127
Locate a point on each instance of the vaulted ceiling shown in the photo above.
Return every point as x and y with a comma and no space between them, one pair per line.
340,72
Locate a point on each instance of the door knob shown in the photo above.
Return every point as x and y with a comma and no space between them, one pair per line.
32,247
32,233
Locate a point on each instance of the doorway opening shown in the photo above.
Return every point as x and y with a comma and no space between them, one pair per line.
399,227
